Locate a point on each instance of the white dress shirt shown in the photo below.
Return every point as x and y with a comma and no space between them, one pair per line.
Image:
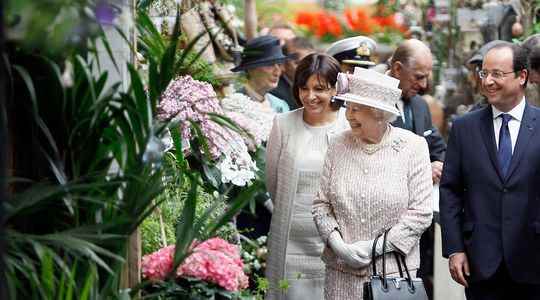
400,105
513,124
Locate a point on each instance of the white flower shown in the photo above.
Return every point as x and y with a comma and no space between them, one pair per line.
67,75
237,167
256,265
258,112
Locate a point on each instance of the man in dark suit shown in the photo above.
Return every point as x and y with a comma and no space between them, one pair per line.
411,63
490,188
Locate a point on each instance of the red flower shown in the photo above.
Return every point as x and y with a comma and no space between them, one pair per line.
389,22
320,23
358,20
305,18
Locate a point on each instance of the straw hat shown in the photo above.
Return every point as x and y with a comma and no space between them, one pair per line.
368,87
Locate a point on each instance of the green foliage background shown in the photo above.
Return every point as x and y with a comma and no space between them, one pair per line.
172,203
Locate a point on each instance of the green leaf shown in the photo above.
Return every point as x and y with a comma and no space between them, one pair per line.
184,230
149,37
47,272
71,284
88,284
189,48
177,141
236,205
212,175
144,4
105,41
154,88
201,139
25,76
80,64
143,105
167,65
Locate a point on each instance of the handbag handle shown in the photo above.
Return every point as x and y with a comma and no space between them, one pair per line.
400,270
374,253
409,279
397,256
384,279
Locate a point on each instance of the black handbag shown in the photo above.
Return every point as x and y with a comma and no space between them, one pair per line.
381,287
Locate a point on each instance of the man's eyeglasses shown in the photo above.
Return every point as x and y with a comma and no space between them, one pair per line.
495,74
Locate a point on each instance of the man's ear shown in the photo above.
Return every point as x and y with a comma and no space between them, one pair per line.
523,75
397,69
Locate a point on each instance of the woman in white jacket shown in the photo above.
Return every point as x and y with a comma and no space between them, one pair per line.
295,154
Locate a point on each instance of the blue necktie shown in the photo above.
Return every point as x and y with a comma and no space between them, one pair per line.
407,118
505,145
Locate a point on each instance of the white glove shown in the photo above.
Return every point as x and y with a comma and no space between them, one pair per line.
367,246
354,256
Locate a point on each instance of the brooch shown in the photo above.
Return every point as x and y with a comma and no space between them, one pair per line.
398,144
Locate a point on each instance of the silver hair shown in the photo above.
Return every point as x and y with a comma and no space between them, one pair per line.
383,116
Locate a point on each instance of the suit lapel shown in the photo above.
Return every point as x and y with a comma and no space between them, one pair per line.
398,122
526,132
488,135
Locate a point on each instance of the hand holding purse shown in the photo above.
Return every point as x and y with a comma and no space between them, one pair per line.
382,287
353,256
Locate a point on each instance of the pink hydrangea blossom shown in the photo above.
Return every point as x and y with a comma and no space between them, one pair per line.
157,265
187,100
214,260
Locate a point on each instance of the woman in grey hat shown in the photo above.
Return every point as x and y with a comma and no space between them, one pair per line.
376,177
261,61
295,154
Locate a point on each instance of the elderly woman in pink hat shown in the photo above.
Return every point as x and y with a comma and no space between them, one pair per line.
375,178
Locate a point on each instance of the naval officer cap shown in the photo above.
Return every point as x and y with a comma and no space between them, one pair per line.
354,50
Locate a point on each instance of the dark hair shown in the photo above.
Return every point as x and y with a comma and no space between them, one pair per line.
531,42
298,43
519,57
534,59
322,65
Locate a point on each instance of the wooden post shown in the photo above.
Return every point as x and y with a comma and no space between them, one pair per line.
527,14
131,273
250,11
